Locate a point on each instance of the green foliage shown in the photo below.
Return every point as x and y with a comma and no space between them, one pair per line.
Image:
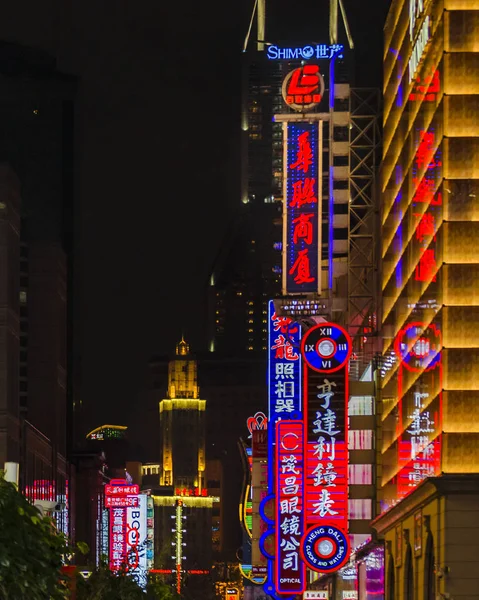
105,585
31,550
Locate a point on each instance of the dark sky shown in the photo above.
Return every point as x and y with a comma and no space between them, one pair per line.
157,172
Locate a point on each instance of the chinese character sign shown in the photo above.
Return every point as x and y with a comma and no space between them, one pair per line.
419,423
284,366
302,208
290,569
117,537
326,349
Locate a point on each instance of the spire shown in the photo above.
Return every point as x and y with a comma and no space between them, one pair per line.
182,348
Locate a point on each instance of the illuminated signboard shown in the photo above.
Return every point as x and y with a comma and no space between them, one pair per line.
302,208
117,538
136,540
258,421
191,492
316,51
122,501
259,480
121,489
284,402
150,532
303,88
326,349
290,569
284,368
426,88
418,347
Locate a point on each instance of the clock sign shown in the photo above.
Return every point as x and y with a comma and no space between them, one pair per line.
326,347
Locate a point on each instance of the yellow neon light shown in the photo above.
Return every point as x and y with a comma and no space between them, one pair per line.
98,429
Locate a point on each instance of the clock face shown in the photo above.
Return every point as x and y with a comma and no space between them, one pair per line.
326,347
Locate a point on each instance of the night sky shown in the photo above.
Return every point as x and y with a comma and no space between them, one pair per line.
157,172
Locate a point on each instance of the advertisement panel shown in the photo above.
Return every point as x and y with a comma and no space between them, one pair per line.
302,211
326,349
136,540
259,485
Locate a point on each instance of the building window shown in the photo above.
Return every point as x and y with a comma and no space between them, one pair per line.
360,439
360,509
360,405
360,474
408,576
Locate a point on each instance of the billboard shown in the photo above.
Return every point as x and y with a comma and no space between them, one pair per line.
326,349
303,143
136,540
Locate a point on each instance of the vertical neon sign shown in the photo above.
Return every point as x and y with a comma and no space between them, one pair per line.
326,349
290,569
284,403
302,207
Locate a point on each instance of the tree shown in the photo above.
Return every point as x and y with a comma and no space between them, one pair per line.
32,550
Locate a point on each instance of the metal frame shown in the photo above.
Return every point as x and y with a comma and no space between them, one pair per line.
363,259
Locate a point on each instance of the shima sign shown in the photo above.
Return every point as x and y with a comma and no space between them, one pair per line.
302,208
325,349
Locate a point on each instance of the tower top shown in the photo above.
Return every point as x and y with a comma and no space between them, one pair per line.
182,348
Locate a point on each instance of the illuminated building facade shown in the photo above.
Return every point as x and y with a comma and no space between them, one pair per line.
186,519
429,446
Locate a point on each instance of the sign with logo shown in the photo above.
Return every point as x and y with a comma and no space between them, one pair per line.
302,207
136,540
303,88
326,349
259,421
308,52
290,569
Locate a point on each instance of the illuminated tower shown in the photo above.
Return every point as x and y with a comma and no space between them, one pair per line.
182,425
429,446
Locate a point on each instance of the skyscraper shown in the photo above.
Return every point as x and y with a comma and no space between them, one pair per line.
429,446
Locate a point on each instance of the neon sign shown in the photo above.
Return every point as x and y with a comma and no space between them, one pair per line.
259,421
290,569
326,349
284,403
136,540
302,208
317,51
418,347
303,88
420,40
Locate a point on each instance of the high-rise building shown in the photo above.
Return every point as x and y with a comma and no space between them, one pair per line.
10,311
429,434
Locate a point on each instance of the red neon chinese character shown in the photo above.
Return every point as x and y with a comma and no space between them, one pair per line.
303,193
426,268
304,157
204,492
425,192
424,150
425,226
284,349
302,268
304,228
283,324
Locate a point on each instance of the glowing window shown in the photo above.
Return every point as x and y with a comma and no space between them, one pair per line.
360,474
360,405
360,509
360,439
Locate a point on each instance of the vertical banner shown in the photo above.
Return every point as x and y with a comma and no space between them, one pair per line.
302,207
418,348
136,540
290,569
117,538
284,403
326,349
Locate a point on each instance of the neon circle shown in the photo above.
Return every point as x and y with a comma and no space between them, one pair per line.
326,347
325,548
418,346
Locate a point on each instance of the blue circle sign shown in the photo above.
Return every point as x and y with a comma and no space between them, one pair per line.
326,347
325,548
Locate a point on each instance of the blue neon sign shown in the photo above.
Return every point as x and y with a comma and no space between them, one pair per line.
310,51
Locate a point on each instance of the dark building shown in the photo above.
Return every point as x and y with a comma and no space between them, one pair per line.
36,119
